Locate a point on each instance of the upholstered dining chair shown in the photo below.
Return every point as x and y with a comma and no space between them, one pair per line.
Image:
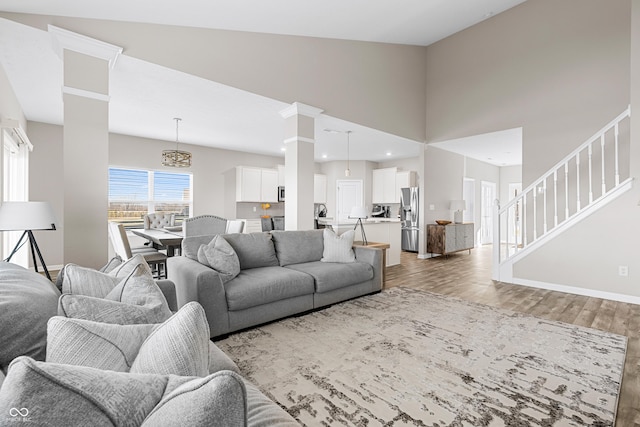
159,220
204,224
156,259
234,226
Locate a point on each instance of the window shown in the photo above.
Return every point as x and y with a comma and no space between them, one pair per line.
15,184
133,193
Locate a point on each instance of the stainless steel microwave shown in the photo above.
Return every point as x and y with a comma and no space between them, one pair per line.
281,193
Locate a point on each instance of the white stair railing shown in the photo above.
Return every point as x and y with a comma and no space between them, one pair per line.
576,184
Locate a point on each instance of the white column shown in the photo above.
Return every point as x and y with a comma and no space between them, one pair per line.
85,93
299,165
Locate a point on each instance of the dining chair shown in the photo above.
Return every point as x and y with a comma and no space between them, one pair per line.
156,259
234,226
159,220
267,224
204,224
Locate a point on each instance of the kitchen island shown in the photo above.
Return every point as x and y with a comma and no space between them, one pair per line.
381,230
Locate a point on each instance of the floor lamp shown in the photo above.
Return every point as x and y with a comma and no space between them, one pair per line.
361,213
27,216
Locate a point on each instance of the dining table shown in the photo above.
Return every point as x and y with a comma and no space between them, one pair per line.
161,238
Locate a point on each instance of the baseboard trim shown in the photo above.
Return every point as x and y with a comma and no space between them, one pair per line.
577,291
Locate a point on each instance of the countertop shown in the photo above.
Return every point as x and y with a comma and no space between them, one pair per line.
332,222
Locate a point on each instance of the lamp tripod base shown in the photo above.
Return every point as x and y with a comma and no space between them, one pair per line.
34,250
364,236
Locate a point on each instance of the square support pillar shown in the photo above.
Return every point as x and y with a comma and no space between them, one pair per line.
299,165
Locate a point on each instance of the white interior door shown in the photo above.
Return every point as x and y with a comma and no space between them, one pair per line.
469,196
488,198
348,195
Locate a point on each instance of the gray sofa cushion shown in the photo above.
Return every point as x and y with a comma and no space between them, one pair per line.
27,301
254,250
259,286
220,256
296,247
330,276
68,395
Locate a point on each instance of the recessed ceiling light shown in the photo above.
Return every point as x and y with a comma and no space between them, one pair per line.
324,156
388,153
283,149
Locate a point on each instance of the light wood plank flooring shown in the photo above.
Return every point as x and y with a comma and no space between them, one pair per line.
468,276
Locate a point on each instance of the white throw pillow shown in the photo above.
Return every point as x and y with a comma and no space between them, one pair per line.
338,248
220,256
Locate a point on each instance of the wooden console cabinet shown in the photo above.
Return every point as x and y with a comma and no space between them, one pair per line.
446,239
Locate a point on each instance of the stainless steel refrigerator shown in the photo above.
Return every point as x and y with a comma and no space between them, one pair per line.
409,210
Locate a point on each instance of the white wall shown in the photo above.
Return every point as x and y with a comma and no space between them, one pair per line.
9,105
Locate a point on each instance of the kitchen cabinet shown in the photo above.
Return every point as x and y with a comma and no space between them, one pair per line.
446,239
256,184
384,186
281,175
404,179
319,188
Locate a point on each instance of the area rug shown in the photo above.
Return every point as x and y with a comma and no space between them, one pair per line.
410,357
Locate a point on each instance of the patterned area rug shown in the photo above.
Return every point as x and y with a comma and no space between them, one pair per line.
410,357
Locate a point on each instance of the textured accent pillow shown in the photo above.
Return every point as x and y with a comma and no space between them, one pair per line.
179,346
87,281
27,301
338,248
297,247
136,299
220,256
94,344
105,398
108,267
254,249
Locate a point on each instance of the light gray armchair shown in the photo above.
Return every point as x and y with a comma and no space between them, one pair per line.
204,225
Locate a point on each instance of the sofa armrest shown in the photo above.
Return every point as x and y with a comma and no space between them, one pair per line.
372,256
168,288
197,282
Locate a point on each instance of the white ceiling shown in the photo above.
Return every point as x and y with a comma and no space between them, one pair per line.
145,97
502,148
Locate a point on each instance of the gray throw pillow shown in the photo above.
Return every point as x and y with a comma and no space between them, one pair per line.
338,248
87,281
108,267
220,256
27,301
99,398
137,299
179,346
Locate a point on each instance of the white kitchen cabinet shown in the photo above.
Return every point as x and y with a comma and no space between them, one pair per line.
256,184
404,179
319,188
281,175
269,187
384,186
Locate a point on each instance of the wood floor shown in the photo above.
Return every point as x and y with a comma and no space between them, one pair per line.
468,276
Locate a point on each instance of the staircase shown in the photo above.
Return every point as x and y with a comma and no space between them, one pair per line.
593,175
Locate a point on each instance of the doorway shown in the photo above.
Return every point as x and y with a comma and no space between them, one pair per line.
487,200
348,195
469,196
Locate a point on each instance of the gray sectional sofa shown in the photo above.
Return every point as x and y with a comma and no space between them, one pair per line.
281,274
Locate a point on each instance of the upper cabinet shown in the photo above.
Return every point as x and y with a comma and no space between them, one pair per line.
387,182
256,184
384,186
404,179
319,188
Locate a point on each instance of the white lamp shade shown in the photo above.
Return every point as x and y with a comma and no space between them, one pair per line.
26,216
359,212
458,205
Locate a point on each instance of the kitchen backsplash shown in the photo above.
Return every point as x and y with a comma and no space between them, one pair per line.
245,210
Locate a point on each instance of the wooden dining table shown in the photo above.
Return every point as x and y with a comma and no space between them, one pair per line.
161,238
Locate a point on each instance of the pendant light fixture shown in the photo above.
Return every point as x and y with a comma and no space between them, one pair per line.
347,171
176,158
